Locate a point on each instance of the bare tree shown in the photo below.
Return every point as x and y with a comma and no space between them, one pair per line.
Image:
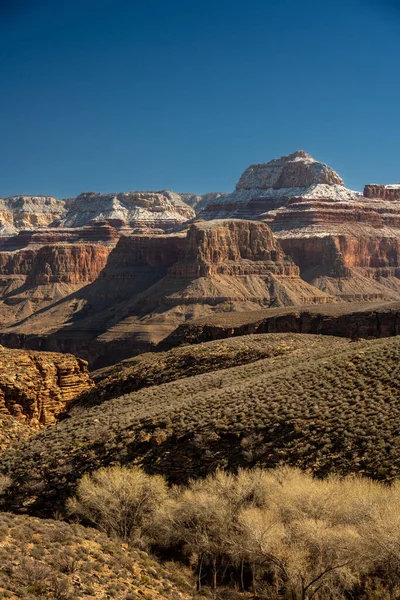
119,500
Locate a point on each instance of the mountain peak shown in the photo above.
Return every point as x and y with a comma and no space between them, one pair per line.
297,170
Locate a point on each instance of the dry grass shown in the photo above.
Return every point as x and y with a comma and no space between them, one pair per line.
329,408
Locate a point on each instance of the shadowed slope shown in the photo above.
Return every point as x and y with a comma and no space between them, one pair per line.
331,406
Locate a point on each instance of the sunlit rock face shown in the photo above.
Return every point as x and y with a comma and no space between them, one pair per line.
140,210
28,212
346,243
36,386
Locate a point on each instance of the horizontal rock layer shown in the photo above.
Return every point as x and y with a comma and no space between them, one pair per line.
385,192
328,230
151,284
36,386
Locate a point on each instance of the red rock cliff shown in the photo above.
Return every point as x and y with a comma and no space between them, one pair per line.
385,192
232,248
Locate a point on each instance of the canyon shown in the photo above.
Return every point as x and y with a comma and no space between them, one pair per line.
345,243
34,388
150,284
108,276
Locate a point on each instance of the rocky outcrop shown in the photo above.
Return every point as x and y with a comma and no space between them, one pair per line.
350,321
298,170
40,267
280,184
129,211
36,386
346,244
135,210
78,264
384,192
21,212
232,248
151,284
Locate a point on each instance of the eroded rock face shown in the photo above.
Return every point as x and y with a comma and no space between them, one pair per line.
385,192
151,284
20,212
296,170
200,201
161,210
346,244
36,386
232,248
40,267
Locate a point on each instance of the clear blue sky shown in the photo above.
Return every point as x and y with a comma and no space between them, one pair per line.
112,95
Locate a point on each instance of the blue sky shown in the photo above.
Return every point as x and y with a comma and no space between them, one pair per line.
101,95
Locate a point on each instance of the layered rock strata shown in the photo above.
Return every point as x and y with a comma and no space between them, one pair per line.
21,212
142,210
384,192
199,201
355,321
345,243
36,386
41,267
151,284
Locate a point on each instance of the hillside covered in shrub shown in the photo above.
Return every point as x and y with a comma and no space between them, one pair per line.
54,560
329,407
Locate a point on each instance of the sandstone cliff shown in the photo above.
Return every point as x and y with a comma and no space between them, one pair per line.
40,267
151,284
385,192
21,212
346,244
36,386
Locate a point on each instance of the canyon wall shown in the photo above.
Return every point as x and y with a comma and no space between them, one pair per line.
384,192
345,243
36,386
361,323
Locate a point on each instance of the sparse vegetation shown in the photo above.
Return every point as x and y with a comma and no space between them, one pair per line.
53,560
280,533
155,368
333,408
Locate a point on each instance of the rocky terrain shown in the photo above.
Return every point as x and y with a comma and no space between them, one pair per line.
316,402
151,284
345,243
350,320
200,201
107,276
38,268
132,210
35,387
23,212
126,210
50,559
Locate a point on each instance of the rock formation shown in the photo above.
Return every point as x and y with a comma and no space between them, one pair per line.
102,275
36,386
151,284
345,244
125,211
40,267
141,210
21,212
350,320
200,201
384,192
